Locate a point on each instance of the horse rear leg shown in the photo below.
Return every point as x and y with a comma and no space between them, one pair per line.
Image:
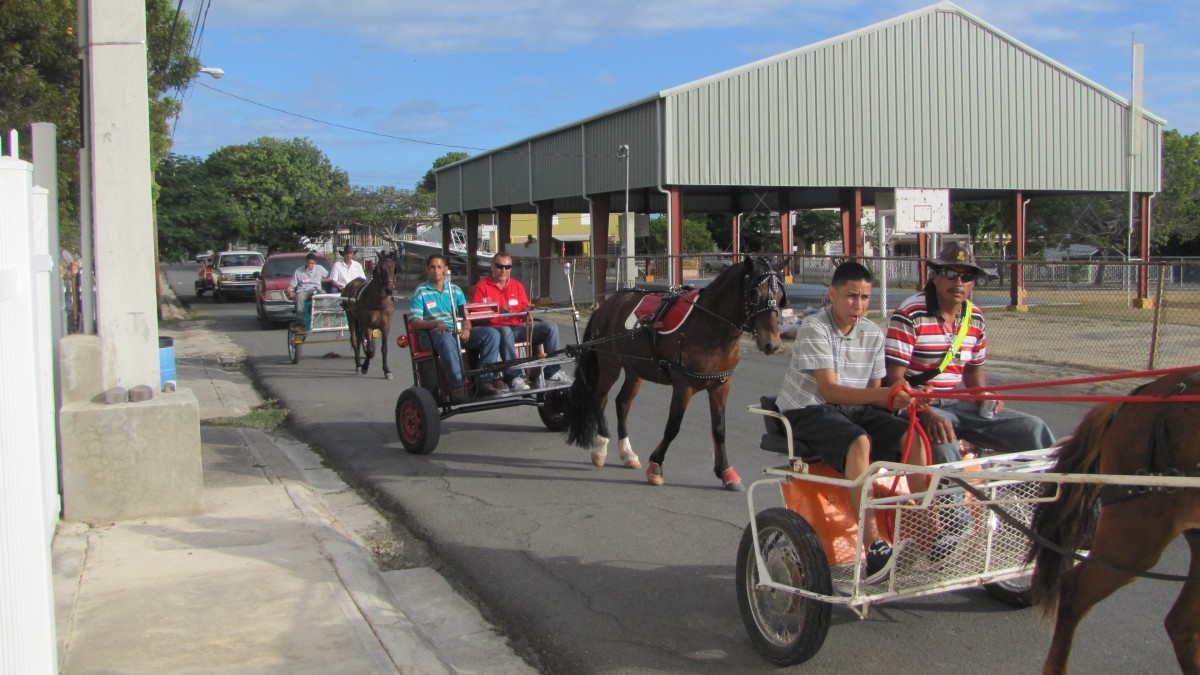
1183,622
680,396
383,347
606,376
628,392
718,398
1131,534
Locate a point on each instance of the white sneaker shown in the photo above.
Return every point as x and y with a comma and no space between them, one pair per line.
561,378
518,384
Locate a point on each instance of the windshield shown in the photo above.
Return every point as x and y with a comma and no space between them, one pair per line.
284,267
242,260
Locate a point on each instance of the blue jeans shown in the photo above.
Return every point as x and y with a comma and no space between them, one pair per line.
544,333
1008,431
486,341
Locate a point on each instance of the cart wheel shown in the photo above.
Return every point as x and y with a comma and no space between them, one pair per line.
1014,592
784,627
293,348
553,409
417,421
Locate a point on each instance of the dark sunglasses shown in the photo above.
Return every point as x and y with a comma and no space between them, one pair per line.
501,267
967,277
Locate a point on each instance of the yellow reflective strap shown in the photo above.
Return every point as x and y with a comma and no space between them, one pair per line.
958,339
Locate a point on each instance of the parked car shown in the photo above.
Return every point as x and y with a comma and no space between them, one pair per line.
716,263
270,292
235,273
204,277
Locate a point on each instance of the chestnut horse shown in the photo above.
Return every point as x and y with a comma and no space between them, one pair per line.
369,306
1134,524
700,354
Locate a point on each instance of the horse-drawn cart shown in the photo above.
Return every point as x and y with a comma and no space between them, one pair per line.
326,323
976,524
422,407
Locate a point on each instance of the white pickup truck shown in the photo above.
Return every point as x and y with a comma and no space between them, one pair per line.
235,273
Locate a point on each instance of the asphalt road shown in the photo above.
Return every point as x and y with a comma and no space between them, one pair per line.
590,570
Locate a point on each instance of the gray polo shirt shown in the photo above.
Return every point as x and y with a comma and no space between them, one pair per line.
856,359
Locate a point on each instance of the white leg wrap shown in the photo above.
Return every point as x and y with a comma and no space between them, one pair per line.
628,456
599,450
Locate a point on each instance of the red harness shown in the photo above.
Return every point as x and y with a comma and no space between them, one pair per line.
665,320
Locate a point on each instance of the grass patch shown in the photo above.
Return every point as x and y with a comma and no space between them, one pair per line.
266,417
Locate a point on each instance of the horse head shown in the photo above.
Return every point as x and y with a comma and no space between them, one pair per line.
385,270
763,297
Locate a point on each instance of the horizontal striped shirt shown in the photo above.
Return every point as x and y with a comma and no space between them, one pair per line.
919,340
856,359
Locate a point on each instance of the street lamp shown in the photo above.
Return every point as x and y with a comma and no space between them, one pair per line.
216,73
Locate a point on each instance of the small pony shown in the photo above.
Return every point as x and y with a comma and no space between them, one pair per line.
698,351
1132,525
369,306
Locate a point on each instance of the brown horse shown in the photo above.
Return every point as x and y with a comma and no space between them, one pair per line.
369,306
700,354
1134,525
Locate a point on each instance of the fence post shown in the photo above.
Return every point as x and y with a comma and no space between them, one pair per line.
27,637
1157,317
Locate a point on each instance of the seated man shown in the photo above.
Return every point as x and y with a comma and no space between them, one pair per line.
832,396
432,310
305,282
939,338
509,296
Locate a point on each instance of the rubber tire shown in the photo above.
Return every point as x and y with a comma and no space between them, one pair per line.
417,421
292,347
807,569
263,321
1013,592
218,295
553,409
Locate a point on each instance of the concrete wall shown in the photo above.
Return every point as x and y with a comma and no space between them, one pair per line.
124,460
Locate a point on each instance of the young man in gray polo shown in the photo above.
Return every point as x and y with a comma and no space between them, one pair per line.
834,399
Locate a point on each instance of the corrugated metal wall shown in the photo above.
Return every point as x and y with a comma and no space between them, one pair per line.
935,100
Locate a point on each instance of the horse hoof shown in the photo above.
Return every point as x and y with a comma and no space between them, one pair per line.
597,460
654,474
731,480
634,463
735,486
387,376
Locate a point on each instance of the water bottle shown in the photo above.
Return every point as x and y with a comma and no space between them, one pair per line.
987,409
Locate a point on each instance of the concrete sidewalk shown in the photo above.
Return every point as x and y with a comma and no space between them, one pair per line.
276,576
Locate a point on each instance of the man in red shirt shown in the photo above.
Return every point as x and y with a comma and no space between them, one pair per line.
510,297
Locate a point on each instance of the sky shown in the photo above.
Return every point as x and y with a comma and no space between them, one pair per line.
385,87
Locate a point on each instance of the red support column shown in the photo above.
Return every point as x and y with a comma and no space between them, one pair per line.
923,253
851,205
472,247
545,229
676,248
735,226
600,259
1141,226
785,232
1016,295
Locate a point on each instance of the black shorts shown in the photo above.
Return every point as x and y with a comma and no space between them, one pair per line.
828,430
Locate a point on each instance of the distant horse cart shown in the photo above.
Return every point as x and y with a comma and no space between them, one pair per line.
1127,481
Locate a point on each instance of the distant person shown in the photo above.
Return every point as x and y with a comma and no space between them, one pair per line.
305,282
833,398
938,338
511,299
346,270
432,310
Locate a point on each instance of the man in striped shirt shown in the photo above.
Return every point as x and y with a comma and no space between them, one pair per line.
833,398
939,338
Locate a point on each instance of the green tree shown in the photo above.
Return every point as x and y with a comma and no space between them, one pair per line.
40,81
1175,222
696,237
429,182
287,191
193,212
816,227
387,212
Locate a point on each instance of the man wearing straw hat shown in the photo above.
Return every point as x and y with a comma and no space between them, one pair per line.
346,270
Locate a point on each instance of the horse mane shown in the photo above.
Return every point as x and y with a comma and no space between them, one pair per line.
1069,520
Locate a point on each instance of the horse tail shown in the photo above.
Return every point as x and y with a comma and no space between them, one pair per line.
1069,520
582,412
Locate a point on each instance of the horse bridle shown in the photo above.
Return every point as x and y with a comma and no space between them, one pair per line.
755,305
